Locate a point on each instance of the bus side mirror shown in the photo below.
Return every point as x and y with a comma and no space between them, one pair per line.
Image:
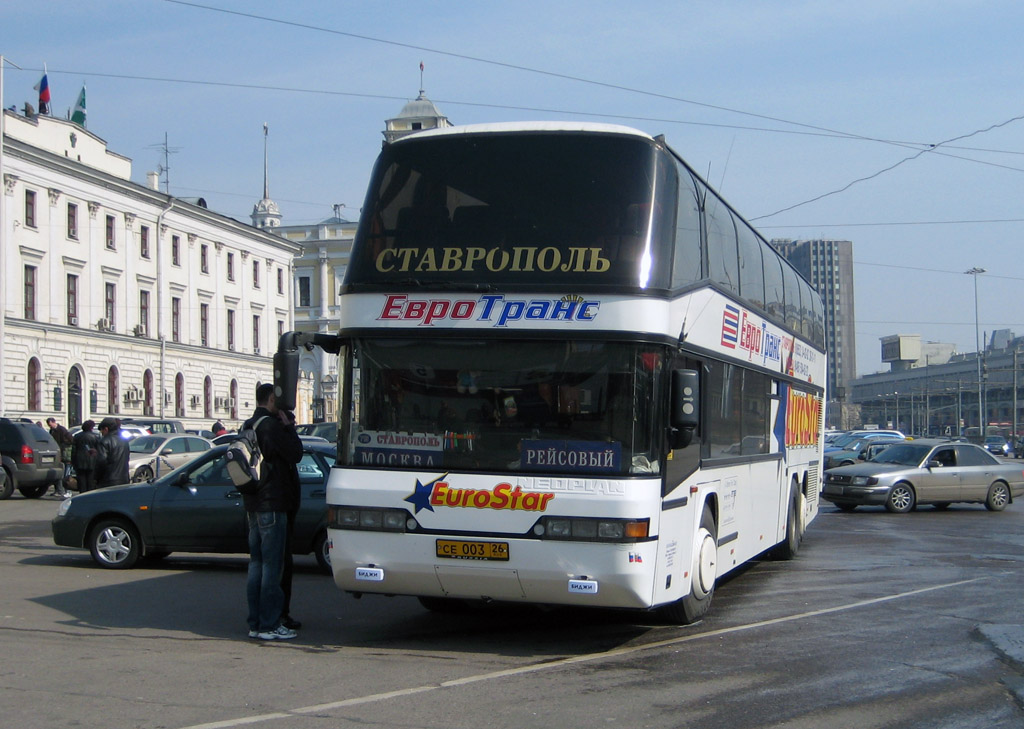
685,406
286,378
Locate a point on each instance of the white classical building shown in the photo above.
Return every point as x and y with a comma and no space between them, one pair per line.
121,300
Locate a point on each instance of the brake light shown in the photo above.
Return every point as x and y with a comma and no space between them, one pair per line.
27,454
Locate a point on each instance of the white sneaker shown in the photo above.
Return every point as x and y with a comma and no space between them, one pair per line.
278,633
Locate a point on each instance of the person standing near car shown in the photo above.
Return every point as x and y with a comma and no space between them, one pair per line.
83,455
111,455
267,512
60,434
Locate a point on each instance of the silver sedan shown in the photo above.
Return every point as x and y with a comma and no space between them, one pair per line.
925,472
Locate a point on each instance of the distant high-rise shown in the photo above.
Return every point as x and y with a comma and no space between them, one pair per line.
828,266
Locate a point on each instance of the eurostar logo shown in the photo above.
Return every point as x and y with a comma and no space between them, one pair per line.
420,498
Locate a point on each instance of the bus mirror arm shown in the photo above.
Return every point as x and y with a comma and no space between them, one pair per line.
685,406
286,362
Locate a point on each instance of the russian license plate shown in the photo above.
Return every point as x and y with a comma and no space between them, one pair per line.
833,490
48,459
457,549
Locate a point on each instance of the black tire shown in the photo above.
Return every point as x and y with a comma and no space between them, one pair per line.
7,487
33,492
142,474
693,607
998,496
788,547
901,498
321,549
115,544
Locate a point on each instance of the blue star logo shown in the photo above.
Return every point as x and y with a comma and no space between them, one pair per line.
420,498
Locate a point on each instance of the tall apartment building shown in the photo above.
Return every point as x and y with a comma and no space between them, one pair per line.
828,266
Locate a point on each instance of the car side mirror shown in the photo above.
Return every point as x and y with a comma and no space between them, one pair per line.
934,464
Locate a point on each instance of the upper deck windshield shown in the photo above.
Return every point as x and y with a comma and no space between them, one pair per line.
507,406
546,209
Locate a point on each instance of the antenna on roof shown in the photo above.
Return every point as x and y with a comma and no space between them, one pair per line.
421,79
165,168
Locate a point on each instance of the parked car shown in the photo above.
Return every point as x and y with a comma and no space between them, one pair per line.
31,459
327,431
997,444
153,455
154,425
856,451
195,508
926,471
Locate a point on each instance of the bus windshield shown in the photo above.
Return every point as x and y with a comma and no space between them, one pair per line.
543,209
578,407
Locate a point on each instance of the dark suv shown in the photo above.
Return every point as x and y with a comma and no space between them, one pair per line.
31,459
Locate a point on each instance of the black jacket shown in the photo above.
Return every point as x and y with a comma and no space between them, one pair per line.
281,449
112,460
84,452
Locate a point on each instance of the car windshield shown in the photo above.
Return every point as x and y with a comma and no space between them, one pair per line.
903,454
146,444
844,441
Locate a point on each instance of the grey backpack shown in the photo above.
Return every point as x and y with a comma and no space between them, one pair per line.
244,459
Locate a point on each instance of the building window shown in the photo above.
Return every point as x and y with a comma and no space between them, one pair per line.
280,280
231,330
280,328
231,266
143,313
111,240
30,292
304,297
204,324
255,274
256,334
144,241
72,298
204,258
113,391
72,221
175,319
30,208
35,384
175,250
110,304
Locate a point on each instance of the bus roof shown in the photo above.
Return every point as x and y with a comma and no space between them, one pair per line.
529,126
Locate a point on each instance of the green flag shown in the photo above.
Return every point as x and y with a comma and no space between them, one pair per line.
78,117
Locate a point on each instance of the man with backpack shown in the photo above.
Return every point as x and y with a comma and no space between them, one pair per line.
274,497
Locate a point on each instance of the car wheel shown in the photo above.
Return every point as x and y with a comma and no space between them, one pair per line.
7,487
115,544
694,606
901,498
34,492
142,474
998,497
322,551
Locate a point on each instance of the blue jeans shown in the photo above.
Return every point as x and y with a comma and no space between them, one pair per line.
267,535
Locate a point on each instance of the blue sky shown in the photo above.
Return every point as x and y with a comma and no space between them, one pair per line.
777,103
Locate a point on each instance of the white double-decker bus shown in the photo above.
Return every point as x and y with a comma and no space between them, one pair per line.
570,374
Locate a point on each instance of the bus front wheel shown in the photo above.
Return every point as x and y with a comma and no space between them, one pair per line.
695,606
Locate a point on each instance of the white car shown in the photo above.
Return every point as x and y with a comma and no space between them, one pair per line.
153,455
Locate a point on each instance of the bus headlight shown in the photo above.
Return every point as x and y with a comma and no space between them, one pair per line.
592,530
369,519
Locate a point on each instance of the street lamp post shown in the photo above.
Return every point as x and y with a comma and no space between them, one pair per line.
977,343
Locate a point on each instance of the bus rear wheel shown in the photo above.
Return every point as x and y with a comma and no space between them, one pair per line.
788,547
693,607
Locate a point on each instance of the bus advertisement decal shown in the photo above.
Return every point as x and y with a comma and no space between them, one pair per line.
503,496
572,455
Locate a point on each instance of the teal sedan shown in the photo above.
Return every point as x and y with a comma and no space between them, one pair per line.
194,508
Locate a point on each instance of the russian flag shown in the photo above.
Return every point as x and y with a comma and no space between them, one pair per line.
43,87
